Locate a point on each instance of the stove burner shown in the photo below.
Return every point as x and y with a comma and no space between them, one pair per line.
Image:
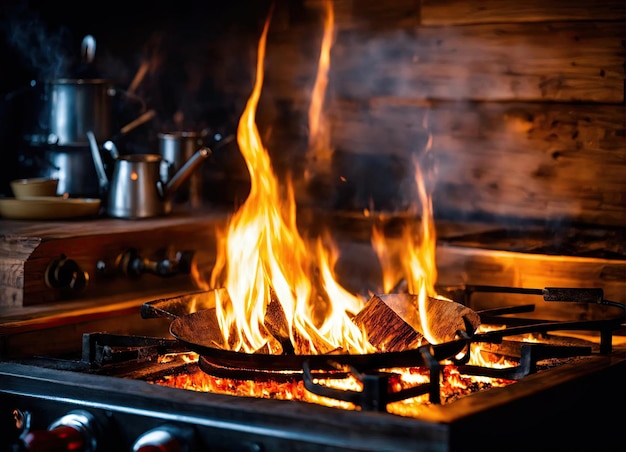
374,371
369,369
376,394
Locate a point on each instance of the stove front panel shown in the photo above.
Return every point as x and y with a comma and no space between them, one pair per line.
569,408
43,263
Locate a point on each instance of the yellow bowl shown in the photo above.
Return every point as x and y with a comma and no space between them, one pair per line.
38,186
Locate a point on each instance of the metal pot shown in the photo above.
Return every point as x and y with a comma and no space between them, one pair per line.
75,106
176,148
73,165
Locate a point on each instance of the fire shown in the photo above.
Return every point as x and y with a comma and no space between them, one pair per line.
320,150
262,259
417,259
261,256
454,385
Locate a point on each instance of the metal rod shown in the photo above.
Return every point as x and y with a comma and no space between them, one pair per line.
503,289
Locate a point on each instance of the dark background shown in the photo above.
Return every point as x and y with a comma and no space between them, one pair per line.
183,42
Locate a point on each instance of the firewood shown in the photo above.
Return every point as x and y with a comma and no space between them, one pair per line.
387,329
275,319
276,323
393,323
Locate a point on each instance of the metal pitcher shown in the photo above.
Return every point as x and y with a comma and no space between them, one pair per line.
136,189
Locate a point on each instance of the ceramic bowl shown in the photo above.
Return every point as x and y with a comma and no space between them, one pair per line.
48,208
38,186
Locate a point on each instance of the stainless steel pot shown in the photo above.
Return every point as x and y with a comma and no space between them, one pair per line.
73,165
75,106
176,148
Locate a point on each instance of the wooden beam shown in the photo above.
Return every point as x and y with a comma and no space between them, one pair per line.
448,12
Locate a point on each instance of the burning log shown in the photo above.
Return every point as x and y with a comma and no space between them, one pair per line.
393,321
276,323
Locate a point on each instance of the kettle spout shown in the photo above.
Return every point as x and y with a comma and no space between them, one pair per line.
185,171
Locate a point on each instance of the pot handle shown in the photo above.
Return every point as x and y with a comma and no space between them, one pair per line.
88,49
145,117
130,96
110,145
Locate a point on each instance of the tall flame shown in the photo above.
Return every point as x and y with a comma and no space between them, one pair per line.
417,260
318,137
262,258
262,261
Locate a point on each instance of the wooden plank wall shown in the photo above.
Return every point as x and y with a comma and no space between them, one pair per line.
523,103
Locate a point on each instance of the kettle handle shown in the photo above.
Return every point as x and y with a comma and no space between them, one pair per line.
103,180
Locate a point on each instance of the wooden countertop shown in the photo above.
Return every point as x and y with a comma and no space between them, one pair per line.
77,228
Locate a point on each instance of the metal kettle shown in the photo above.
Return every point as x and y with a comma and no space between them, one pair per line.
136,189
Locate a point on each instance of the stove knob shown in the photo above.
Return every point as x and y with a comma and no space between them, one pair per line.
76,431
132,264
166,438
65,273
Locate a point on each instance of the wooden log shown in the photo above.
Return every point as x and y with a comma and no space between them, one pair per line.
393,321
387,329
276,323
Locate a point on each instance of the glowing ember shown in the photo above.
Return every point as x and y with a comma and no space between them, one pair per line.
454,386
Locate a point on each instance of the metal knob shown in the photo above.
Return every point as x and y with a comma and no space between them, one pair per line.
132,264
64,273
166,438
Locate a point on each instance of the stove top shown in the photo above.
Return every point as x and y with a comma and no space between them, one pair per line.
121,385
121,393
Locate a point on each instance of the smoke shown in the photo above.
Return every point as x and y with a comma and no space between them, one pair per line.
42,50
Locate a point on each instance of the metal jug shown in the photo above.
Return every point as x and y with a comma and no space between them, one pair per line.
136,189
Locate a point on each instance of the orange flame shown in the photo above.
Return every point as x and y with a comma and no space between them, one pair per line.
419,260
391,273
319,137
261,257
417,255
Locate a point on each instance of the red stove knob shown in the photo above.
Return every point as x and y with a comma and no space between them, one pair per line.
166,438
60,438
76,431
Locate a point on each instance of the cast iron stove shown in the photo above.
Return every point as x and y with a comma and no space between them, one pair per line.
116,391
